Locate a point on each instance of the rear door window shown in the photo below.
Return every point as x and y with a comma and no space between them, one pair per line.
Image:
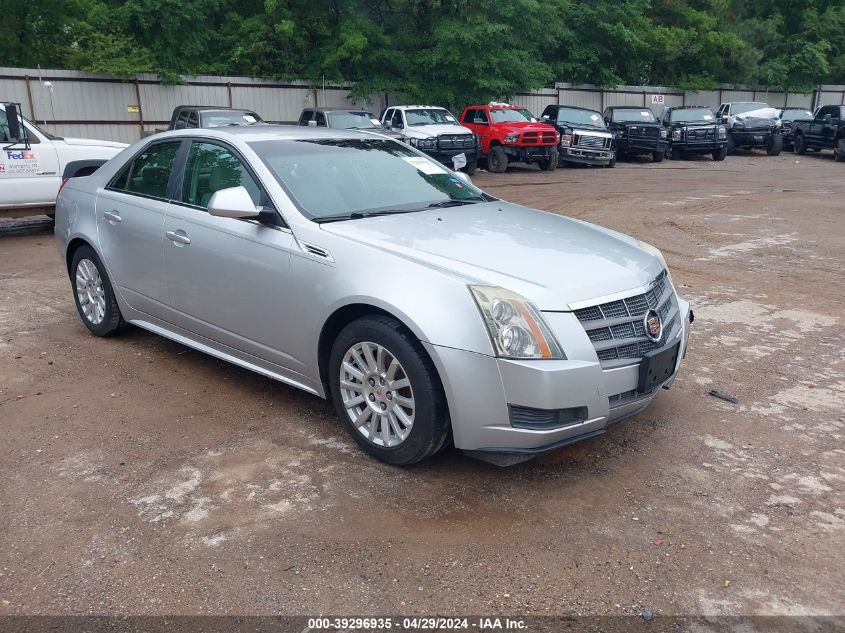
149,173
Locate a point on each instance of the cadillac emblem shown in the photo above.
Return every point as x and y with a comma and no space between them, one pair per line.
653,326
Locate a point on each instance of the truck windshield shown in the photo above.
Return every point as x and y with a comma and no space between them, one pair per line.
511,115
358,120
430,116
638,115
692,115
222,118
575,116
351,178
740,108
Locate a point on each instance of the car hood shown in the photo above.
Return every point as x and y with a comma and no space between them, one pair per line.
427,131
550,259
759,113
89,142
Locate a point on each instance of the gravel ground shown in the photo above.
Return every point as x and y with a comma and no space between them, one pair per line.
139,476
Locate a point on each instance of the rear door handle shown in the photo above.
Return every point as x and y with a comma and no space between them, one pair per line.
113,217
178,236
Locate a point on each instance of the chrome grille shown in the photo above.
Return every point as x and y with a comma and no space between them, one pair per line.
616,328
590,140
456,141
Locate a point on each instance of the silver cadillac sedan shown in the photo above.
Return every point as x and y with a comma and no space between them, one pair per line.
354,267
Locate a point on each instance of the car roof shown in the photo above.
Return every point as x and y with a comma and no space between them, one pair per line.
335,109
265,132
688,107
414,107
627,107
572,107
208,107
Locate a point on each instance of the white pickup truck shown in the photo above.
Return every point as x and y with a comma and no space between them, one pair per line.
33,163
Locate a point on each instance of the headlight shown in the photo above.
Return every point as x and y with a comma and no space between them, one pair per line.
512,138
619,134
663,133
516,327
723,131
676,135
566,140
656,252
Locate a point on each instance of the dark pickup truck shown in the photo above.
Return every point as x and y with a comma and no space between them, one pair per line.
826,130
694,130
192,116
636,131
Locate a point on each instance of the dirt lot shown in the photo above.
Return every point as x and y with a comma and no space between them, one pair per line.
139,476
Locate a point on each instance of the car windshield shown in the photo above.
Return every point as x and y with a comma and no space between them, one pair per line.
223,118
511,115
633,115
792,114
357,120
741,108
692,115
335,179
429,116
576,116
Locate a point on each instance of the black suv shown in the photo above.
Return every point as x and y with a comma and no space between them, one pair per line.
584,138
636,131
694,130
751,124
193,116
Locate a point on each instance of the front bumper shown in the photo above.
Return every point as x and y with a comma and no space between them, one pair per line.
641,145
528,153
751,138
585,156
699,147
481,390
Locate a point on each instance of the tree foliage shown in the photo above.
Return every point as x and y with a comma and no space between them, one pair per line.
445,51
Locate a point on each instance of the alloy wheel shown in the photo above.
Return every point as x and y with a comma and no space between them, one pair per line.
377,394
90,291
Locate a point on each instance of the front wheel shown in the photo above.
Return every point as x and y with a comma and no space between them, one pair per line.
657,157
800,145
721,153
731,145
470,167
387,392
93,293
550,163
612,162
497,161
775,145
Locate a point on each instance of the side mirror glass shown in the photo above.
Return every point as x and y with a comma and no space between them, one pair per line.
479,122
13,122
233,202
180,125
312,123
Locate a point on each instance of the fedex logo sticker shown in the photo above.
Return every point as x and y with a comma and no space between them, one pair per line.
21,155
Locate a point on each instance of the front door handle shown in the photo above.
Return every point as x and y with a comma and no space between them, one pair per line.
178,236
113,217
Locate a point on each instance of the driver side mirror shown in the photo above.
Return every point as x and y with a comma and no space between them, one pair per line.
180,125
827,118
13,122
233,202
312,123
479,121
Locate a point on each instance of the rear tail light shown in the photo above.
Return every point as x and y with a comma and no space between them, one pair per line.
64,182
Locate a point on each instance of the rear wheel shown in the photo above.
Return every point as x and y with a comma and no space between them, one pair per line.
387,392
547,164
93,293
497,161
800,144
839,150
775,145
721,153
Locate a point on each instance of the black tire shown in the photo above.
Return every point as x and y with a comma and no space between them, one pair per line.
657,157
612,162
839,150
800,144
431,428
721,153
731,145
112,320
675,154
550,163
775,145
470,167
497,161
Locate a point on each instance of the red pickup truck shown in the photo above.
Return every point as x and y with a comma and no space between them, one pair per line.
511,133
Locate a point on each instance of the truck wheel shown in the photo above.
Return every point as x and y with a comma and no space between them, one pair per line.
800,144
657,157
612,162
775,145
550,163
675,154
497,161
839,150
387,392
721,153
93,293
731,145
470,167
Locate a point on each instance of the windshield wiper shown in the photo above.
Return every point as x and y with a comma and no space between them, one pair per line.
451,203
360,215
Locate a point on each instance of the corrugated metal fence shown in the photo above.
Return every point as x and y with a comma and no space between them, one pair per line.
72,103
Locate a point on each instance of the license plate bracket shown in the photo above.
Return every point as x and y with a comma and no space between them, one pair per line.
657,367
